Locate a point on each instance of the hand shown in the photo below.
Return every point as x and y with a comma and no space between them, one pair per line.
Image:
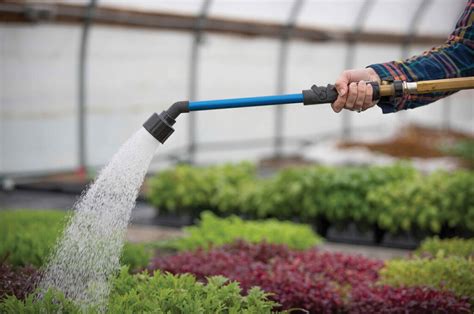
354,93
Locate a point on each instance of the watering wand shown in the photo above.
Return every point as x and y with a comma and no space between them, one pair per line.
161,126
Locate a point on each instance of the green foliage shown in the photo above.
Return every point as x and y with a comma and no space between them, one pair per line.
52,302
396,197
452,273
340,194
447,247
166,293
191,189
463,149
159,293
215,231
27,237
136,255
429,203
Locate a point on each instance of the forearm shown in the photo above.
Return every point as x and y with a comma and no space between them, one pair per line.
453,59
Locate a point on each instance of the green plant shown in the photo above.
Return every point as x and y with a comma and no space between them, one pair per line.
430,203
214,231
453,273
340,194
159,293
187,189
136,255
27,236
448,247
52,302
167,293
463,149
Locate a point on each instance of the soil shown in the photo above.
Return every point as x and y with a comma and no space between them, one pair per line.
414,142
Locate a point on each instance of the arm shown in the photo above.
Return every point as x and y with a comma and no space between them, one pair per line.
455,58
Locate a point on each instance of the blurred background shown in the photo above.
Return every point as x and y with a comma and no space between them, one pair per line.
79,77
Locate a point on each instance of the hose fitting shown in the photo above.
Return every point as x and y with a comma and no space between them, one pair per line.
161,126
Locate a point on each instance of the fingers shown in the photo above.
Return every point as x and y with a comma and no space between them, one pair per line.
340,102
351,98
341,87
368,102
358,98
354,93
342,82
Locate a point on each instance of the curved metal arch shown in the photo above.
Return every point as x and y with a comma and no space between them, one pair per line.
413,25
282,65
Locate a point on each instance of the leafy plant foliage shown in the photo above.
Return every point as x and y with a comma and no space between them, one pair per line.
314,280
433,247
27,236
214,231
455,274
160,293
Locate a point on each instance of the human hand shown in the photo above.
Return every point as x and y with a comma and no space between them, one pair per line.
354,93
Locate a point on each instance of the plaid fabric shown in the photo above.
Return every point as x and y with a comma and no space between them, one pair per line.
455,58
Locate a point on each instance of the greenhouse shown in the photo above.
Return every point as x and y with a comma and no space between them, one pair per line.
237,156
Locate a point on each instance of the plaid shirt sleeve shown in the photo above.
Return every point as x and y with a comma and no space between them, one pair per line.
455,58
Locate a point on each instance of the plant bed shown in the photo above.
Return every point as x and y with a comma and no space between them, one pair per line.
213,231
160,293
323,282
28,236
314,280
17,281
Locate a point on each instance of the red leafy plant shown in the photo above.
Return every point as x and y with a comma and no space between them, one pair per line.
17,281
313,280
420,300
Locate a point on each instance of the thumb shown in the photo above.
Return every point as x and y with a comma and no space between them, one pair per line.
341,83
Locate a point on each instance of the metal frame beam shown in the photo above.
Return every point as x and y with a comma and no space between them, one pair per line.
282,73
361,17
14,11
81,88
193,76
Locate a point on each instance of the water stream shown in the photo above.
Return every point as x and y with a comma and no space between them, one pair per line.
88,253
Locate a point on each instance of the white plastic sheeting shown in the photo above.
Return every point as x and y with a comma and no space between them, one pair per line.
134,72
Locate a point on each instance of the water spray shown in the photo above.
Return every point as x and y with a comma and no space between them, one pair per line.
161,126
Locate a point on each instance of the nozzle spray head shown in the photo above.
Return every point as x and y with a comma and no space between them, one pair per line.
161,126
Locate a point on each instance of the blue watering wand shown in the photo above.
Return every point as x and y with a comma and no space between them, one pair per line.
161,126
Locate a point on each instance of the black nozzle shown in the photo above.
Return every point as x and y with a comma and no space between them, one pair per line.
320,95
161,126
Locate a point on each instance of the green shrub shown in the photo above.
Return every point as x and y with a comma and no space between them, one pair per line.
52,302
340,194
463,149
136,255
159,293
439,200
215,231
282,196
453,273
395,198
167,293
187,189
27,236
447,247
